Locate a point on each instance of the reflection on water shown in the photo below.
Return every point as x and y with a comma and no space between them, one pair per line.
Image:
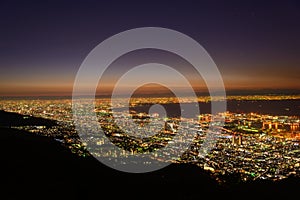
274,107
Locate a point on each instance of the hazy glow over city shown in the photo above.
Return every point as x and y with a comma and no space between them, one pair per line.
254,47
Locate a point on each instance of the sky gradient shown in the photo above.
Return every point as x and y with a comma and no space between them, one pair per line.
255,44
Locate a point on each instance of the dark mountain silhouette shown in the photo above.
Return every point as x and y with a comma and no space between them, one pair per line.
34,166
39,167
8,119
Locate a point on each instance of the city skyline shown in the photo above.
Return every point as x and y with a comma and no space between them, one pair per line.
254,44
177,99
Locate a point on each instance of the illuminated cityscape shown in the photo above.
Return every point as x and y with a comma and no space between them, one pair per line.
150,99
252,145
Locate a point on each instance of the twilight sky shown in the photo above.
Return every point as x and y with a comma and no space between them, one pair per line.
255,44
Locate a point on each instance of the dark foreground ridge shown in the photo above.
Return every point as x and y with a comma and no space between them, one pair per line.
39,167
9,119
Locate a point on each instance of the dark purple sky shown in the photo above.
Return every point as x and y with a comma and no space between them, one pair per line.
255,44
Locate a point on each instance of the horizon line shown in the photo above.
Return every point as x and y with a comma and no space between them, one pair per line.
231,92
